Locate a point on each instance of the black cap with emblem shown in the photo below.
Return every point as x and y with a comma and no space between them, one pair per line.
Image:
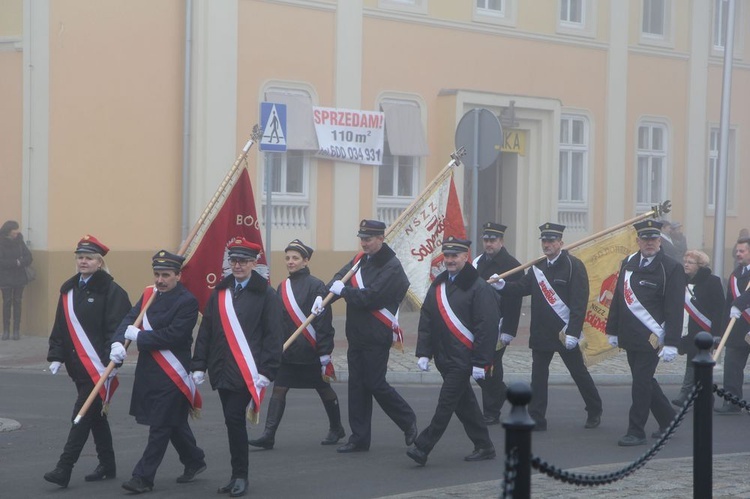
453,245
648,229
164,260
551,230
368,228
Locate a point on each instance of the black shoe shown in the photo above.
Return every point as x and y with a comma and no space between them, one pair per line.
190,471
350,447
227,488
659,433
333,436
239,488
630,441
58,476
137,485
491,420
481,454
265,441
417,455
6,335
726,410
593,421
101,472
410,435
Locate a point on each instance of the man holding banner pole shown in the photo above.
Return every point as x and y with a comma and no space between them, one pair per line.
239,344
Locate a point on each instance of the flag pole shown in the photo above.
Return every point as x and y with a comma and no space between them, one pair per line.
656,211
725,336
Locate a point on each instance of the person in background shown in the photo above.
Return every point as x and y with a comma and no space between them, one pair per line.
678,239
14,258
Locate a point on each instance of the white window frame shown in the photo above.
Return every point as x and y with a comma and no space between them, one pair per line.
650,154
413,6
666,39
568,148
505,16
717,29
587,26
712,167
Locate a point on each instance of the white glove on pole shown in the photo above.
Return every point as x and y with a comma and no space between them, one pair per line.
570,342
117,353
735,313
325,360
54,367
500,284
199,377
263,382
506,338
423,363
131,333
336,287
612,340
668,354
477,372
317,307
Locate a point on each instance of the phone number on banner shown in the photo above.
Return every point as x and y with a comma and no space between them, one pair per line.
354,154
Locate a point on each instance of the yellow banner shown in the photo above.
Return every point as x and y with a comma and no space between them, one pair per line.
602,258
514,141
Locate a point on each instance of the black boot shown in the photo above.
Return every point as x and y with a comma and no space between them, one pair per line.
273,418
16,334
336,431
6,334
59,476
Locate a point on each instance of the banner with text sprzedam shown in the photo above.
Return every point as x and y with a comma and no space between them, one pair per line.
350,135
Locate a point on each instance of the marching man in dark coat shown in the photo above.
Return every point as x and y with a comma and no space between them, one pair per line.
645,319
239,344
372,298
559,289
458,329
494,261
163,391
90,307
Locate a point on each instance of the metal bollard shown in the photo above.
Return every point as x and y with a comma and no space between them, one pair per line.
703,418
518,428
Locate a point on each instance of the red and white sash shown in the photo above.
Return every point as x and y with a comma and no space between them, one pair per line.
169,363
451,320
239,347
295,312
695,314
86,351
383,315
551,296
736,293
639,311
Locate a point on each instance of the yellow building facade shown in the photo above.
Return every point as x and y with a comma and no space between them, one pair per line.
120,119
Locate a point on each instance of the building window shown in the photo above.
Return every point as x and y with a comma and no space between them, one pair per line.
720,24
652,165
713,168
413,6
654,18
572,189
571,12
500,12
491,7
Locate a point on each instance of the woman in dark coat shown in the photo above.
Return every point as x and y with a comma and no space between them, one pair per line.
14,258
304,363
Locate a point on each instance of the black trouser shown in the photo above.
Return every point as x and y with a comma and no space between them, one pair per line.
493,388
573,360
735,360
646,393
12,300
93,422
367,380
456,396
158,439
235,405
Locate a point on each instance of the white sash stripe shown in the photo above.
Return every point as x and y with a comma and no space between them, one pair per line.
384,311
736,293
549,293
639,311
690,306
452,315
236,331
83,337
174,363
297,310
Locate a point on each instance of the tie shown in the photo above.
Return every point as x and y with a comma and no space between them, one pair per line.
81,284
744,270
644,262
237,290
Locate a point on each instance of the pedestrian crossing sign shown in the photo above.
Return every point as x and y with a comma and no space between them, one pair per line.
273,122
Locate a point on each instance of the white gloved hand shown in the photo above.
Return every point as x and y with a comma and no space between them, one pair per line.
612,340
735,313
570,342
336,287
317,307
325,360
262,382
199,377
668,354
112,373
131,333
117,353
477,372
54,367
506,338
499,284
423,363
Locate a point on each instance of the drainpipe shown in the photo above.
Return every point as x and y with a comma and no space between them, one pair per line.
186,119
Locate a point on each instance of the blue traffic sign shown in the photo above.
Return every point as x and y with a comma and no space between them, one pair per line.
273,122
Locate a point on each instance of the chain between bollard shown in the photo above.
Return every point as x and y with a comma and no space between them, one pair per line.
583,479
509,476
729,397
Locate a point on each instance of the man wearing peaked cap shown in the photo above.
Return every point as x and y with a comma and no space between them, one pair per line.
648,325
458,330
372,302
495,261
163,392
559,289
252,313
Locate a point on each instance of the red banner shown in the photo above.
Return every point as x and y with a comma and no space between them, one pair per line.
207,263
